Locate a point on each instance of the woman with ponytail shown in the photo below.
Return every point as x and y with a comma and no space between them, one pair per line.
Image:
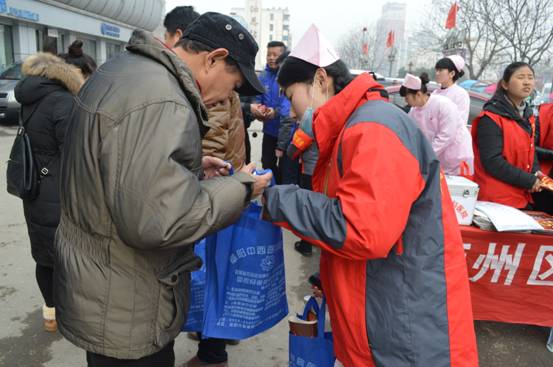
448,71
439,120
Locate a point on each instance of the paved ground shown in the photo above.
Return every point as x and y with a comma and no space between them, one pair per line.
23,343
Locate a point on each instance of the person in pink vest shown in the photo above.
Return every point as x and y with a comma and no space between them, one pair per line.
448,71
439,120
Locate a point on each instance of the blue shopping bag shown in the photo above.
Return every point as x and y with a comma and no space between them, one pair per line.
312,351
246,285
195,319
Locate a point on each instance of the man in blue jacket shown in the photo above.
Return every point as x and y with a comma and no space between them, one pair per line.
271,108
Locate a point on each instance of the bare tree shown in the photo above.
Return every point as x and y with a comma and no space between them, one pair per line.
526,26
484,48
495,32
350,48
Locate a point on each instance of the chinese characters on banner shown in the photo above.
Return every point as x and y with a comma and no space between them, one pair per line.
511,276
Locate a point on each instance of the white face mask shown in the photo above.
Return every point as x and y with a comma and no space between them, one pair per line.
306,122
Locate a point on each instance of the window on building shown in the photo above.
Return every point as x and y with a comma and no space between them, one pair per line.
38,37
113,50
49,43
6,47
272,16
271,38
271,27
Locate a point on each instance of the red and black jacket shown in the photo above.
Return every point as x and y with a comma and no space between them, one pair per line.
392,261
504,153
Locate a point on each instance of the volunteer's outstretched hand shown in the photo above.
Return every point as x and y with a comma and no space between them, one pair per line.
261,181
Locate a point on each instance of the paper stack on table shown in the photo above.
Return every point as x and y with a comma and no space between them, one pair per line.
502,218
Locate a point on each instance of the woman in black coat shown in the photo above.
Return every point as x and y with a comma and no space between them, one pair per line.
46,95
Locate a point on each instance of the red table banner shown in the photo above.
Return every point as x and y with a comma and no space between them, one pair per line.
511,276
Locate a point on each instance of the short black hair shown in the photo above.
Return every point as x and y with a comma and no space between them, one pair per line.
425,79
508,74
180,18
447,63
196,47
295,70
276,44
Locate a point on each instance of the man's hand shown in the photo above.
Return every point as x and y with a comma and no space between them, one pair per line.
279,153
270,114
214,167
261,181
258,110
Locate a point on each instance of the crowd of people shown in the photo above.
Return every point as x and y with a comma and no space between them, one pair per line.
135,159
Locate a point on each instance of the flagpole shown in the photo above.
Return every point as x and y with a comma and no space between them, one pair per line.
391,59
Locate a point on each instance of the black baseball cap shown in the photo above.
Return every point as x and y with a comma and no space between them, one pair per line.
221,31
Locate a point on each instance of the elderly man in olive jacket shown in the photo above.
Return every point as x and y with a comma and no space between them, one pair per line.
137,194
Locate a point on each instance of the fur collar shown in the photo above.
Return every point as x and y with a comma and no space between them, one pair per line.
52,67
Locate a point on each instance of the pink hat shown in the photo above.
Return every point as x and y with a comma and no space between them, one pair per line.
458,61
412,82
314,48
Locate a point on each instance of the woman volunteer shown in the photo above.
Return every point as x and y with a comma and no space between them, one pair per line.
448,71
393,271
504,142
439,120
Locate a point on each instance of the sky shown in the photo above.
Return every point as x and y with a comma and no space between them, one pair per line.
334,21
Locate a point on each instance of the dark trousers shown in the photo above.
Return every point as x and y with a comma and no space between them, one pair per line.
305,182
268,156
543,201
248,146
289,170
163,358
45,279
212,350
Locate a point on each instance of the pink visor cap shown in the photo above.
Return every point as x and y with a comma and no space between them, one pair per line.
458,61
412,82
314,48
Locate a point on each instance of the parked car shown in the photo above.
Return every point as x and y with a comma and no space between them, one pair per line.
9,107
477,100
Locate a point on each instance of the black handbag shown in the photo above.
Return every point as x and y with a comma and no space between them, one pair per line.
22,174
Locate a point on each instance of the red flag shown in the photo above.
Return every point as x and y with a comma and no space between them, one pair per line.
451,21
390,40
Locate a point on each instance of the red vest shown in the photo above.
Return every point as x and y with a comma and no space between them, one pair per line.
518,150
546,134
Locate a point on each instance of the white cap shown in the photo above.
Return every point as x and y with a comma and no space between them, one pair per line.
412,82
314,48
458,61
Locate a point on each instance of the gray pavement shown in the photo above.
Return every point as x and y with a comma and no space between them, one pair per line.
24,343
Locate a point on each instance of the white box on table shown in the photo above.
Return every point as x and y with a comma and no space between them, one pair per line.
464,194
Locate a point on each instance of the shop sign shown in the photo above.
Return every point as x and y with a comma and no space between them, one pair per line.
24,14
110,30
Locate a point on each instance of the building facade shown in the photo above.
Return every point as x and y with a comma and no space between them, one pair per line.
265,24
104,26
392,19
